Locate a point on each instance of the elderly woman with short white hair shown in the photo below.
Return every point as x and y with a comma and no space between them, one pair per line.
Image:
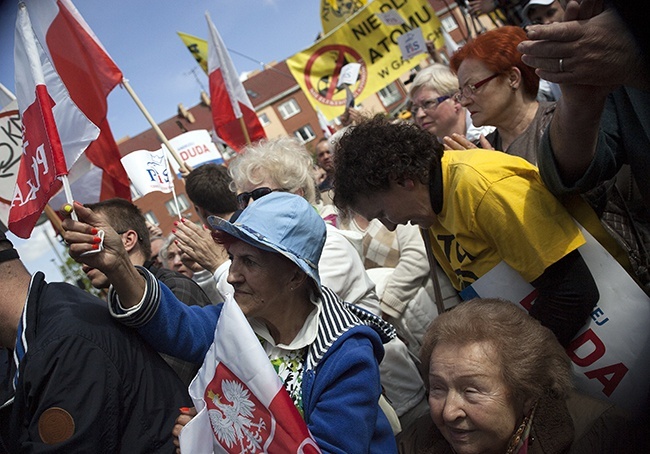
434,108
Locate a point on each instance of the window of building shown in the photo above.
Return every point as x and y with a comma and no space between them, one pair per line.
390,94
449,23
305,134
151,217
288,109
183,205
264,119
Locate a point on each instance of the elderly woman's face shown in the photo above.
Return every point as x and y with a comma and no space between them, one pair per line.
469,403
491,101
439,118
258,277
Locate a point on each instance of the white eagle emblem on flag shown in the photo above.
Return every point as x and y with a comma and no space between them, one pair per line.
236,419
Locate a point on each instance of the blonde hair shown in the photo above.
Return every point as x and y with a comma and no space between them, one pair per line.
284,160
436,77
531,359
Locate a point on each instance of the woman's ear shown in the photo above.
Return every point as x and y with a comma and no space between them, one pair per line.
298,278
514,78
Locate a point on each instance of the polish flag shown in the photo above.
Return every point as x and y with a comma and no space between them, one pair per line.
229,101
89,74
42,102
240,401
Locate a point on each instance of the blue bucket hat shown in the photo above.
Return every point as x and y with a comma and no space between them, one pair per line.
284,223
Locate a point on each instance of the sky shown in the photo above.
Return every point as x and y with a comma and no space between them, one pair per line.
140,36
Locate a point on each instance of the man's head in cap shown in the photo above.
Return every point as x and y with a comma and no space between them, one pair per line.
544,11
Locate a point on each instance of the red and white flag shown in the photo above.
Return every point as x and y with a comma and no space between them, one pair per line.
241,403
89,74
42,102
229,100
325,126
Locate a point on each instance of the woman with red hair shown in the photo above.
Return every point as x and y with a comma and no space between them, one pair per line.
499,89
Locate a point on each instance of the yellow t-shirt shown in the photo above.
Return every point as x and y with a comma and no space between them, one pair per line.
495,207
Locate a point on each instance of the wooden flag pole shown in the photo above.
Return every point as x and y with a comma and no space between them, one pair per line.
244,129
154,126
54,219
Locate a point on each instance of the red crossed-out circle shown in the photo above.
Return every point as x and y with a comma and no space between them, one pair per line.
340,52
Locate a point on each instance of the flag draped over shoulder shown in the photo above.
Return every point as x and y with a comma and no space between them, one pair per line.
43,102
241,403
235,120
89,74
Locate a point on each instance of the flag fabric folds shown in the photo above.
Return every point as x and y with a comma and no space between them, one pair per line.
39,92
241,403
198,48
89,74
235,120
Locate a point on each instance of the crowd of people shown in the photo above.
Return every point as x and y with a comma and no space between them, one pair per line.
358,268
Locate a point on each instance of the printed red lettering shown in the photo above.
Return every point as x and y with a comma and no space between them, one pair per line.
617,372
597,353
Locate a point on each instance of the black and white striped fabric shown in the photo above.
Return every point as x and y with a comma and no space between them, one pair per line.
337,317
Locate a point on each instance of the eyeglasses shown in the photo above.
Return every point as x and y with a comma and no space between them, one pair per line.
245,197
470,89
428,105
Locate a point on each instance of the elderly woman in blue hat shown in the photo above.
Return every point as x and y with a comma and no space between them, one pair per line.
333,348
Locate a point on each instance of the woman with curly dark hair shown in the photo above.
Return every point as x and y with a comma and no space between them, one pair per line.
476,209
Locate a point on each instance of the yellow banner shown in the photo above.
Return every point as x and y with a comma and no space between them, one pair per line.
198,47
334,12
364,39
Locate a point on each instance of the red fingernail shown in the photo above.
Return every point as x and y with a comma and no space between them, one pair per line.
94,231
174,230
175,223
97,239
184,409
95,246
183,219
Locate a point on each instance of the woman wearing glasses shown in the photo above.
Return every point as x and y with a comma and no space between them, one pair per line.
499,89
434,109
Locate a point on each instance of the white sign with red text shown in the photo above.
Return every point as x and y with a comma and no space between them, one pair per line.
195,148
610,354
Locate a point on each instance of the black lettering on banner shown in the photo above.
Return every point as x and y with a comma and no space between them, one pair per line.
10,139
393,4
384,72
415,20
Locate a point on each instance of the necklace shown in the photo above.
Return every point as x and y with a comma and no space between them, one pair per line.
522,432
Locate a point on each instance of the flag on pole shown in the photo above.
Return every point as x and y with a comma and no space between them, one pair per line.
325,126
6,97
89,74
39,92
198,48
235,120
241,403
333,13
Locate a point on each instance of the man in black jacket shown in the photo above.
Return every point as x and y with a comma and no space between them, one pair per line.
127,220
74,380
